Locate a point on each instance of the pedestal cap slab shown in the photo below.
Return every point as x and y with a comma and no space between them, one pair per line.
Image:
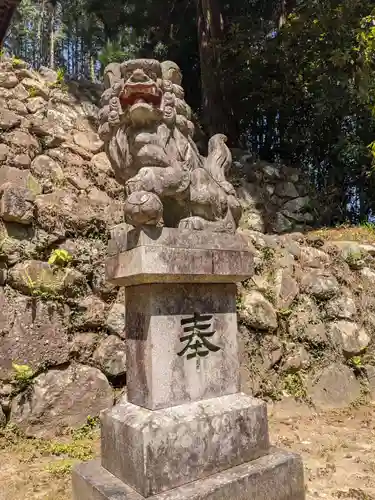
278,476
155,451
162,255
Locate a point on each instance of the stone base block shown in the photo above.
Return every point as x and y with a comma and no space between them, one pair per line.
155,451
278,476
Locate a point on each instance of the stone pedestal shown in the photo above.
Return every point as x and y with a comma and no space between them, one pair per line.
184,430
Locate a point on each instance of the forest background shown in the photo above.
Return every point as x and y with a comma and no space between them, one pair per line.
291,81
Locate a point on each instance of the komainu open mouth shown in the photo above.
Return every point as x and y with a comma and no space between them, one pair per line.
140,93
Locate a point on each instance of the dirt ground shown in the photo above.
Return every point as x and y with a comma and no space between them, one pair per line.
338,449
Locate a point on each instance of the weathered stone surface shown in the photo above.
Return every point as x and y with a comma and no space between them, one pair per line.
22,141
102,175
56,117
334,387
17,106
100,285
35,104
16,204
279,474
370,374
115,321
3,419
341,307
48,74
6,313
286,190
22,161
37,334
8,119
89,141
296,205
35,277
178,440
320,284
3,273
286,288
304,323
110,356
281,224
153,310
19,178
271,172
368,274
62,210
297,360
19,92
313,257
259,312
100,163
8,80
6,391
4,152
77,179
91,312
51,133
83,346
181,255
271,351
61,398
46,168
349,336
35,88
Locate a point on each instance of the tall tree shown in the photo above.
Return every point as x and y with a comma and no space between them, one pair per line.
217,113
7,10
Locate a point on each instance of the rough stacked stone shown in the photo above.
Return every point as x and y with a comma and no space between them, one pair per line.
308,318
56,193
274,197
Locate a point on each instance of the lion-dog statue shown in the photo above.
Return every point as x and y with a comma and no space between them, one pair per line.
146,127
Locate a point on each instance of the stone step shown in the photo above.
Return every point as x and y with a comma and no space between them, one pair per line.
277,476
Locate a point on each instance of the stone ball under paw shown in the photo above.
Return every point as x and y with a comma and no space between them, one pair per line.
143,208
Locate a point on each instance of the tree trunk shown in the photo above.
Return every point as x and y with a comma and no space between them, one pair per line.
5,19
217,114
40,35
52,41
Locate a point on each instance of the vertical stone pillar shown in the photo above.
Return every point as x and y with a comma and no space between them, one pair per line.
185,430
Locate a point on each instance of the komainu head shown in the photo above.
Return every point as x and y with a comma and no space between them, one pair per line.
143,91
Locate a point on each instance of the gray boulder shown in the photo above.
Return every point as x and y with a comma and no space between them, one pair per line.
59,399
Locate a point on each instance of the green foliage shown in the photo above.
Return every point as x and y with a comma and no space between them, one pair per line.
44,291
16,62
353,258
355,362
294,386
23,375
60,468
60,75
33,92
77,446
59,257
370,226
285,313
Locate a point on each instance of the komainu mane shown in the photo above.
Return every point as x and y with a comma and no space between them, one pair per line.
146,126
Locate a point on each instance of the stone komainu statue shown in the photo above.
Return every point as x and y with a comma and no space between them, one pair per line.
146,126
